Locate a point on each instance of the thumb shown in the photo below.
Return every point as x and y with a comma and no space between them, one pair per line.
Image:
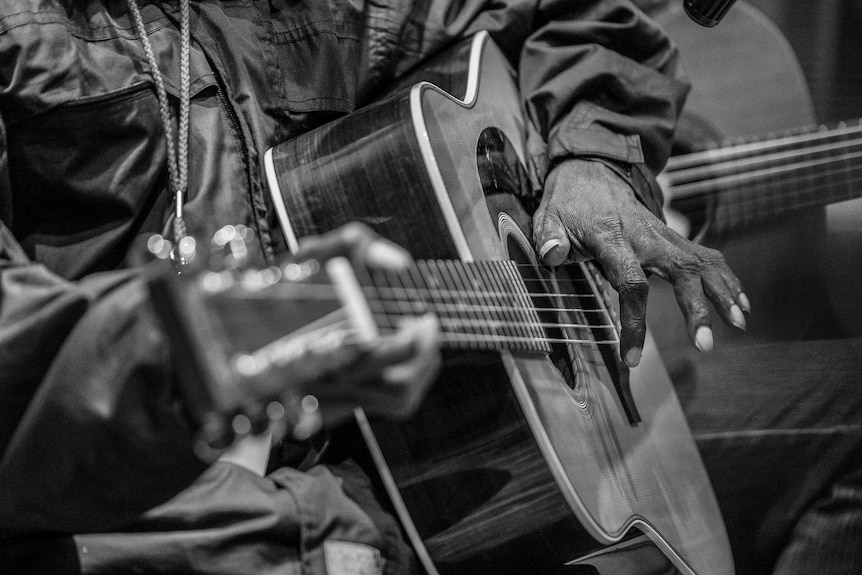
550,239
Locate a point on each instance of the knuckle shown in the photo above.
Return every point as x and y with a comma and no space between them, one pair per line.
634,281
611,229
699,309
635,324
712,258
355,231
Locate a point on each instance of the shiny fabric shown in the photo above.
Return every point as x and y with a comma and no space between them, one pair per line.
92,433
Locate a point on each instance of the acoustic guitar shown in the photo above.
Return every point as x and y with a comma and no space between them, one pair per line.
755,176
536,449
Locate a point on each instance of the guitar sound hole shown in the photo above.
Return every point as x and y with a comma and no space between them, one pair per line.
507,190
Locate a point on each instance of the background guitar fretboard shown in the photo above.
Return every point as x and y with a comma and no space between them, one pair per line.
746,183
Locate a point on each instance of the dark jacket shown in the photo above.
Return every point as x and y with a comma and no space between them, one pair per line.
91,431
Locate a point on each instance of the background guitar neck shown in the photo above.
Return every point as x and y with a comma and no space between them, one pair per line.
748,183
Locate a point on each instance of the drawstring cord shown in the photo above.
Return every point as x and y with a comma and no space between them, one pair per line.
178,153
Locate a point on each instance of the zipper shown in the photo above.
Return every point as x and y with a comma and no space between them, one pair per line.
233,119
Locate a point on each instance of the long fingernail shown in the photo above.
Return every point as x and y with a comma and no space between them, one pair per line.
743,301
703,338
633,356
547,247
736,317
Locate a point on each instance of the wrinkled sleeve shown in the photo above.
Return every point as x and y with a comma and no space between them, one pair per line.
600,80
87,409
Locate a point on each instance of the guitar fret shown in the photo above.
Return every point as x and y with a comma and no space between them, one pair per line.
473,272
513,327
422,288
529,312
440,275
378,278
423,277
412,304
458,272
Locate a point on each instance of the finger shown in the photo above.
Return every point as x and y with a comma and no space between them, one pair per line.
382,253
424,334
397,389
416,375
415,336
625,274
724,299
330,363
550,238
692,301
358,241
735,287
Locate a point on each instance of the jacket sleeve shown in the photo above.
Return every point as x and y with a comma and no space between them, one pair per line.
87,408
599,80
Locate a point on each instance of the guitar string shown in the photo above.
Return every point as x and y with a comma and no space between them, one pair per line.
713,154
744,204
694,188
724,216
679,177
313,291
460,338
491,340
457,306
284,349
746,201
321,292
490,322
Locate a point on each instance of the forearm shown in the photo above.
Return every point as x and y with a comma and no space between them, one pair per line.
89,413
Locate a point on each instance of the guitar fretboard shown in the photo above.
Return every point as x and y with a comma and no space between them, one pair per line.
746,183
488,305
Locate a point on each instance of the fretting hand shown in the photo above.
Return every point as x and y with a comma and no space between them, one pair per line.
390,375
590,212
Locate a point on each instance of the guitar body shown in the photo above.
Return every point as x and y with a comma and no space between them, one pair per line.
746,82
517,462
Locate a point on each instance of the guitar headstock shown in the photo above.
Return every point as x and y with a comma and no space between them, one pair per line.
248,341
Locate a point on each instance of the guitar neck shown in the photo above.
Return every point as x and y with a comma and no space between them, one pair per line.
749,183
487,305
482,305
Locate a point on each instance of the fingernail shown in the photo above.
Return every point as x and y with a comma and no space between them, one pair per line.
736,317
633,356
386,254
703,338
547,247
743,301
